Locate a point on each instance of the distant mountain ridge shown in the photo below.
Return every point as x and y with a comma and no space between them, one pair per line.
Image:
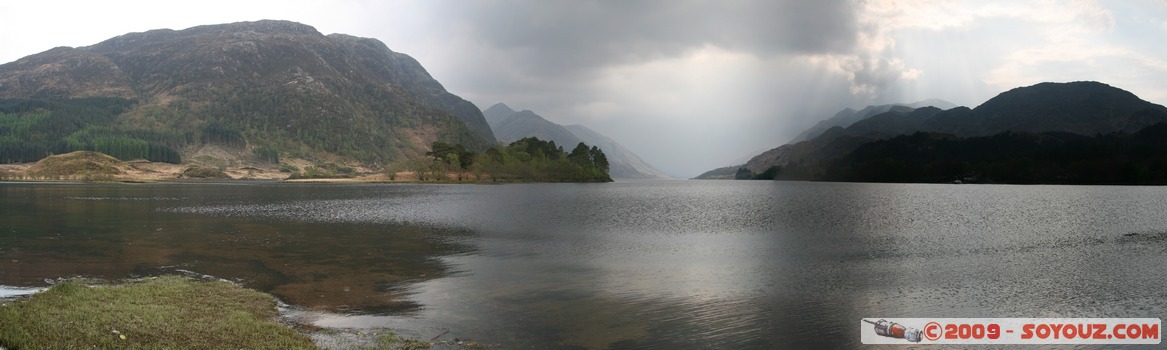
510,125
805,145
849,116
275,85
1083,108
627,165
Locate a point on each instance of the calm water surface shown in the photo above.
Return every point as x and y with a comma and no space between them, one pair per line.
672,264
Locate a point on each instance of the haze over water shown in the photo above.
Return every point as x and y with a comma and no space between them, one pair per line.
673,264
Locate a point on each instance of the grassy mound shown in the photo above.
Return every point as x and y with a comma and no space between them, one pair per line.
165,312
75,164
204,172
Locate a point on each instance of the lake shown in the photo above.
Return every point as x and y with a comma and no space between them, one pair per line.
652,264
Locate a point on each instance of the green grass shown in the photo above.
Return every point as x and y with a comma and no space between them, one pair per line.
163,312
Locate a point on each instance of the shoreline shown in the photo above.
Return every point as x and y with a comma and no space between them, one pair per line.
94,167
165,173
123,301
146,312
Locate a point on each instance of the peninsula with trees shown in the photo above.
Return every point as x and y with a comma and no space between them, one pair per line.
526,160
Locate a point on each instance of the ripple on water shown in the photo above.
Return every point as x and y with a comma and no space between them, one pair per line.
688,264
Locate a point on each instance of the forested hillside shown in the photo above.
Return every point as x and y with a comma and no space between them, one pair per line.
32,129
260,90
1078,132
1020,158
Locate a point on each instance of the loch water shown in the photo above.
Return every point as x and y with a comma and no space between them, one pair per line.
637,264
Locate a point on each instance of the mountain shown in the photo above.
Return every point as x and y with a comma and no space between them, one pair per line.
892,123
836,142
398,69
820,141
277,86
1084,108
625,164
843,119
849,116
510,125
722,173
933,102
1010,157
497,113
1081,108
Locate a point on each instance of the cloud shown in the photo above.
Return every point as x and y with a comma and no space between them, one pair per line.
1078,42
949,15
565,48
689,84
575,38
595,62
869,74
872,65
1031,42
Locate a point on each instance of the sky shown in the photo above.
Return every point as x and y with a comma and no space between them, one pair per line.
688,85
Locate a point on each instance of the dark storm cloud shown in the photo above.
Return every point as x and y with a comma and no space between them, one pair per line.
640,71
569,37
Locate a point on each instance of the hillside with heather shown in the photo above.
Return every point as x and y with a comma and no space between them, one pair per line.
239,93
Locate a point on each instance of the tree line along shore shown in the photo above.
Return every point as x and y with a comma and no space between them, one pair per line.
526,160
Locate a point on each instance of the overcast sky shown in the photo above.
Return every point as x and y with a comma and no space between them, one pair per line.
688,85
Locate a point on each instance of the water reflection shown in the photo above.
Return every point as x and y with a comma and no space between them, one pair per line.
125,231
628,265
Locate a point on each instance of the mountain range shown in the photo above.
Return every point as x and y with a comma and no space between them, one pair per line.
849,116
1082,108
278,86
510,125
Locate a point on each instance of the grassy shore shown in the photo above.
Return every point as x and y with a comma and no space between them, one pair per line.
162,312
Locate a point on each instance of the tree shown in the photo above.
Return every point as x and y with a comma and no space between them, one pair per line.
528,159
581,155
600,159
33,129
771,173
456,156
743,174
419,166
479,165
440,149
